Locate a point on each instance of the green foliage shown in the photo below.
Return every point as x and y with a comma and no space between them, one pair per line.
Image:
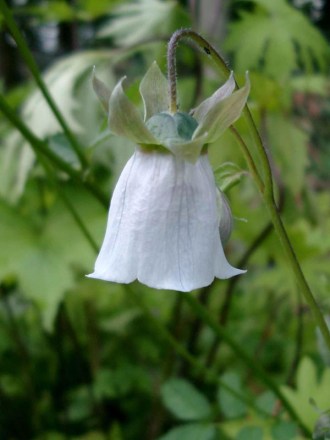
250,432
40,256
191,432
231,406
309,387
185,401
80,359
159,18
273,32
288,143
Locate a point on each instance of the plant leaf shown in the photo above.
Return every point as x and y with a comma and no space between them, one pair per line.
191,432
184,400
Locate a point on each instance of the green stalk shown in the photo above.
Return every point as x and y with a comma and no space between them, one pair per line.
32,65
220,332
40,146
265,185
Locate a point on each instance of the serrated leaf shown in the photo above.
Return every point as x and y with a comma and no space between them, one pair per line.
277,39
183,400
191,432
308,386
231,406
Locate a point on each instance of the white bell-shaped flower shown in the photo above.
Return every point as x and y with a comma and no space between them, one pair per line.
163,224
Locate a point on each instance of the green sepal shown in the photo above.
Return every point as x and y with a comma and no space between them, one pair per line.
153,90
223,114
222,93
125,120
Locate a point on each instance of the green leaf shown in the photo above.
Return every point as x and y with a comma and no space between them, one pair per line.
278,39
266,402
231,406
16,162
184,400
251,433
308,386
191,432
62,147
284,430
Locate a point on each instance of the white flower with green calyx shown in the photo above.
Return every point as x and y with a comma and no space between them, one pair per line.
164,218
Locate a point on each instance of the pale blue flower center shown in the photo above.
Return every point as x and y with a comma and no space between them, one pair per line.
165,126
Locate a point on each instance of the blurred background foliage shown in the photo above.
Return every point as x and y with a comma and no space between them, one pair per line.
82,359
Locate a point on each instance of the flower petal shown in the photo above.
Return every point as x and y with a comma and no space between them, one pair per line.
189,151
153,89
101,90
224,216
124,118
223,114
223,92
163,227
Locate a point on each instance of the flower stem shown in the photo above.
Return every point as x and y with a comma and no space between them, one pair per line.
40,146
32,65
265,185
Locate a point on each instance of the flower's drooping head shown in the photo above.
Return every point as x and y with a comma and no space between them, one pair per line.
165,213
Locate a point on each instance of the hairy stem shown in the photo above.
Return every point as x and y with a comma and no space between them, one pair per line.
265,184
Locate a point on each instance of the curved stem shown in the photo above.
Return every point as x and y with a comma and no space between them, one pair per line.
32,65
40,146
266,189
